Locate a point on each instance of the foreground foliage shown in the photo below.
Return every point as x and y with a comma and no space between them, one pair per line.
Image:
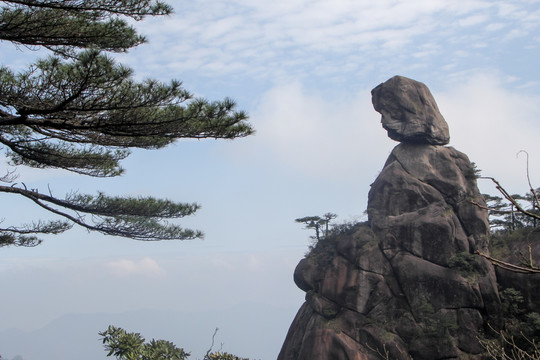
124,345
80,111
520,336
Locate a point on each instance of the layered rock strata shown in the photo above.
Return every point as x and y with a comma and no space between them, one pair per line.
405,284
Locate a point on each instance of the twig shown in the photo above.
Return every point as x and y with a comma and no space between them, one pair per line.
529,178
211,346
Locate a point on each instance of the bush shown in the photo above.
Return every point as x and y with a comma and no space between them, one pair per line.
467,264
222,356
132,346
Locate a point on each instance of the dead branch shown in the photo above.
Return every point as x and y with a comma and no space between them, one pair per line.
537,202
509,266
509,197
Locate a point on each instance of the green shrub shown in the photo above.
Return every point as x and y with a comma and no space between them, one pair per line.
222,356
467,264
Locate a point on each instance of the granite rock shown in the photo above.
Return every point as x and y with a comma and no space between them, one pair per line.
409,112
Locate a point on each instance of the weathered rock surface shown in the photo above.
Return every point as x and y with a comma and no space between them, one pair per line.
409,112
405,284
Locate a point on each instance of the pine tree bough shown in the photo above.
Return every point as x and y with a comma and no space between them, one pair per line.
80,111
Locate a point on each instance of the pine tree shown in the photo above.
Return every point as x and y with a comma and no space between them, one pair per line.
81,111
319,224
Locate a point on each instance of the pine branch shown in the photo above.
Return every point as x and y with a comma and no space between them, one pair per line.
63,25
80,111
127,217
135,9
94,101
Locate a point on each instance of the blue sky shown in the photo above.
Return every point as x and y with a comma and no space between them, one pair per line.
303,70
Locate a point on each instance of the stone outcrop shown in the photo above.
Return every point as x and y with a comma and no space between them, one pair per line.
405,284
409,112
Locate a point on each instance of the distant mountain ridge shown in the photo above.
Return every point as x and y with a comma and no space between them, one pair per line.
75,336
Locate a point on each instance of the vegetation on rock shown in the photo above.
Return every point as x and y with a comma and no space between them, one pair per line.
520,336
321,225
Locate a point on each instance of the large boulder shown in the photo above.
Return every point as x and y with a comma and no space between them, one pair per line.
409,112
406,284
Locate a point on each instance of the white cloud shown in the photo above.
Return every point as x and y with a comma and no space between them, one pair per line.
341,139
143,267
495,26
256,263
258,38
473,20
323,137
14,263
491,124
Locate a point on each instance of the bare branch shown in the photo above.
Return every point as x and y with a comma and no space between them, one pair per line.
114,219
537,203
9,177
212,345
509,266
510,198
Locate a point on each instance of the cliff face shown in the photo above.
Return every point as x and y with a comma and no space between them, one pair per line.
406,283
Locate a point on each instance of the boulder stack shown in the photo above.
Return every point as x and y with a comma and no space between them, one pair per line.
405,284
409,112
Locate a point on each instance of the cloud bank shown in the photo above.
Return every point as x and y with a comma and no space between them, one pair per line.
269,40
144,267
336,139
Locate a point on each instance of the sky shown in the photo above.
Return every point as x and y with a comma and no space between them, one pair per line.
303,70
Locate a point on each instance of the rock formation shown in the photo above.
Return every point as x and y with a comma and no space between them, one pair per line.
409,112
405,284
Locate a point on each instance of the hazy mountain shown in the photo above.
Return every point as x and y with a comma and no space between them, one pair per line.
241,331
